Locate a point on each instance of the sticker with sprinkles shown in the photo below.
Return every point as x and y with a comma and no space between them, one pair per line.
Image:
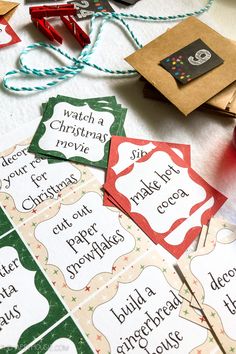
192,61
86,8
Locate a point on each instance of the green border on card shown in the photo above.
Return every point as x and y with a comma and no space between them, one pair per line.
56,309
96,104
5,224
53,160
66,330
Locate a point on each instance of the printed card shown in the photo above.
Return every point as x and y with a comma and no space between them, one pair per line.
78,130
124,151
213,282
54,160
178,241
104,101
160,192
192,61
202,237
29,184
7,35
82,244
140,315
86,9
194,315
5,224
28,304
65,338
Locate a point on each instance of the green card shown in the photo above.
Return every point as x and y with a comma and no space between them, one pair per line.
54,160
78,130
29,306
5,224
65,338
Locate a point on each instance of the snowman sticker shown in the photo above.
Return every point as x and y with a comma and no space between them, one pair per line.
7,35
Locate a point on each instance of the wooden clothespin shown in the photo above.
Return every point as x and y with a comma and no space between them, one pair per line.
76,30
52,11
38,14
48,30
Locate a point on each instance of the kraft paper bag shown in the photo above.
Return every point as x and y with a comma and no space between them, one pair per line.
190,96
223,103
7,9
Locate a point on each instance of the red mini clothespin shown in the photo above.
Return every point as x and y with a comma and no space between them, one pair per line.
49,31
39,12
76,30
51,11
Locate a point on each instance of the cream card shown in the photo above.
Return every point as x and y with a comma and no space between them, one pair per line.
29,184
140,314
192,314
211,274
82,244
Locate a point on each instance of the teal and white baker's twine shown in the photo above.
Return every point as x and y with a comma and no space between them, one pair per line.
66,72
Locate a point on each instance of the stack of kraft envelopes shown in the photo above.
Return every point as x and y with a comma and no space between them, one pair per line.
191,66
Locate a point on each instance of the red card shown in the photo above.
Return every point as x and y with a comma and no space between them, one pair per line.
160,192
181,238
7,35
113,203
124,151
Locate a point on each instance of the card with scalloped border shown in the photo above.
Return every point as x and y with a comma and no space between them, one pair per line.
162,193
64,338
82,244
29,305
124,151
213,282
78,130
140,313
7,34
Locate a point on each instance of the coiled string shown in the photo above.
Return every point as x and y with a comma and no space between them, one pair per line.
63,73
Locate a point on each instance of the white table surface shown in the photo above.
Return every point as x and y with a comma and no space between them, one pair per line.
209,135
